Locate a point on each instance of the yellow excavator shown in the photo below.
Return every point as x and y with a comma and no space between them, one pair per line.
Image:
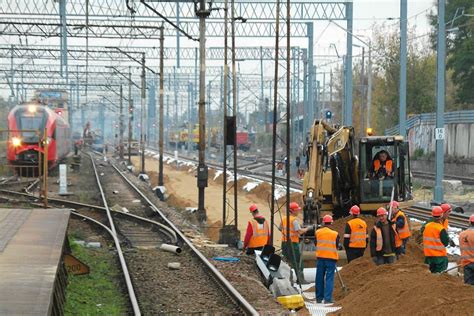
338,178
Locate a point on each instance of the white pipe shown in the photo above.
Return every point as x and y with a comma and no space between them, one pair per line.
171,248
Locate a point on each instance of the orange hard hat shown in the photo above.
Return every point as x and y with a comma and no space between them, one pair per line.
394,204
471,218
327,219
436,211
253,208
355,210
381,211
294,207
445,207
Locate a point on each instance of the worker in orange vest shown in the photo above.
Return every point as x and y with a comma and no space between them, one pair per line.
291,248
466,243
435,241
382,239
258,232
382,166
327,244
401,226
356,237
446,212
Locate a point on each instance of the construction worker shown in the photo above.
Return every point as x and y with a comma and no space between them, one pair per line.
291,249
327,243
382,239
401,226
356,237
435,241
446,212
258,232
466,243
382,165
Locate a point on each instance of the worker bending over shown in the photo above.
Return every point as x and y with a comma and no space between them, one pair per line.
290,248
257,235
327,243
435,241
466,243
401,226
356,236
382,239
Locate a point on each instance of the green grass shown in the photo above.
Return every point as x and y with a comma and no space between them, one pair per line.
97,293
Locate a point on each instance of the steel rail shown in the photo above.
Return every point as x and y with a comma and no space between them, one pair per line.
123,263
243,304
424,213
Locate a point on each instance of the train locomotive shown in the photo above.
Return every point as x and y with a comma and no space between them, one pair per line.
27,123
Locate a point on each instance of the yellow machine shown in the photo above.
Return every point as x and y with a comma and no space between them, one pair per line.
337,178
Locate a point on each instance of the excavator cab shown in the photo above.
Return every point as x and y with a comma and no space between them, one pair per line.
384,166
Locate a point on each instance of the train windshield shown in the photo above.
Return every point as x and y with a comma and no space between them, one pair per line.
31,125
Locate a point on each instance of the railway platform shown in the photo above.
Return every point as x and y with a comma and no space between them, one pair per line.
33,276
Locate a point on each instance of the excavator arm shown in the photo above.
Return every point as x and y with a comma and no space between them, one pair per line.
328,145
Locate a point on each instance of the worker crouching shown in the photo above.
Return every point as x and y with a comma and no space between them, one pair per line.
327,243
435,241
382,239
257,235
355,235
466,243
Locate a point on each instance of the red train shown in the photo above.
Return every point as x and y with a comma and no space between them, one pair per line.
26,123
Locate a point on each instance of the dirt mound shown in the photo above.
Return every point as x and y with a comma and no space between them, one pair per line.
178,202
401,288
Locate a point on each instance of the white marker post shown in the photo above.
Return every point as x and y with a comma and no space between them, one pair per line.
63,180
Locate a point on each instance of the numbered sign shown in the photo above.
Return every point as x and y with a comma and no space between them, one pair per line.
439,133
75,266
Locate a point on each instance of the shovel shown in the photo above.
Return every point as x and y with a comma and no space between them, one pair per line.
452,268
344,288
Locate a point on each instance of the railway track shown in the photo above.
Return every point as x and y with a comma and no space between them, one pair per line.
432,176
424,213
246,170
205,297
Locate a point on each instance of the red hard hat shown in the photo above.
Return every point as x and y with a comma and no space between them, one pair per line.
253,208
294,207
394,204
436,211
471,218
355,210
445,207
381,211
327,219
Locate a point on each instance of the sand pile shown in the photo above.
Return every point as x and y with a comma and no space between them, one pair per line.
402,288
406,287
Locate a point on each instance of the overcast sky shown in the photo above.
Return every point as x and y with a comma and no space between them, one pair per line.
366,15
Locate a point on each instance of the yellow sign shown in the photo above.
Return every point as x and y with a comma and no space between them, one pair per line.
75,266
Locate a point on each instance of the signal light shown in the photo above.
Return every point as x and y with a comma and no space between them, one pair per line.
370,131
328,115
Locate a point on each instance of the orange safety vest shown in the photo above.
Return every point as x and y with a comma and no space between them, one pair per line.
432,245
294,235
466,243
358,235
404,232
388,165
260,233
379,243
446,224
326,243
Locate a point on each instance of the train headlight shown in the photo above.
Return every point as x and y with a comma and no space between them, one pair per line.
32,108
16,141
